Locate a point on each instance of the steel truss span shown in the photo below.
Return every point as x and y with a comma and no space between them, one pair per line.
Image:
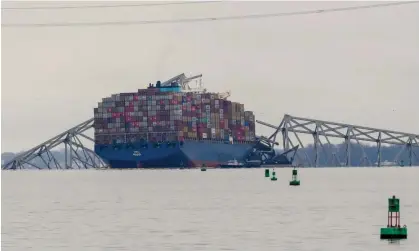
292,130
354,140
76,155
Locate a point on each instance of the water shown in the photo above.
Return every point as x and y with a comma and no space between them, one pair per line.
333,209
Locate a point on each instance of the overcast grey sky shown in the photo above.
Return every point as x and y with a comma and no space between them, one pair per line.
359,67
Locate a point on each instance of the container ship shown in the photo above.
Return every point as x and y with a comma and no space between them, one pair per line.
171,125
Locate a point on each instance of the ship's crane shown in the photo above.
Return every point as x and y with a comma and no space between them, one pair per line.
177,79
184,83
187,80
224,95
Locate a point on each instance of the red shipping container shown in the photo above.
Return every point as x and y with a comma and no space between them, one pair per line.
136,98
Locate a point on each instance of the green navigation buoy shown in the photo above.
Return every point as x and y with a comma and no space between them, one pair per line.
393,229
294,181
203,168
267,173
273,175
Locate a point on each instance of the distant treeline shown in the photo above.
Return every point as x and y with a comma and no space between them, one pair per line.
388,154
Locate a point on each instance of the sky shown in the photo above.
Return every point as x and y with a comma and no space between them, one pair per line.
358,67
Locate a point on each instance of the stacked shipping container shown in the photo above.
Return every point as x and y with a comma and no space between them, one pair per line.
153,115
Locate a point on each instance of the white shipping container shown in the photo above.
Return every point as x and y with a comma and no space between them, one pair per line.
204,135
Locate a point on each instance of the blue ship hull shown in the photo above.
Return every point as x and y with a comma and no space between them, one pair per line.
190,154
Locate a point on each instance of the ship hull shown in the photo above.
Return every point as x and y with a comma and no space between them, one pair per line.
191,154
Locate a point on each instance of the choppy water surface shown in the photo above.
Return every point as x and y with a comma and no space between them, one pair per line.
333,209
